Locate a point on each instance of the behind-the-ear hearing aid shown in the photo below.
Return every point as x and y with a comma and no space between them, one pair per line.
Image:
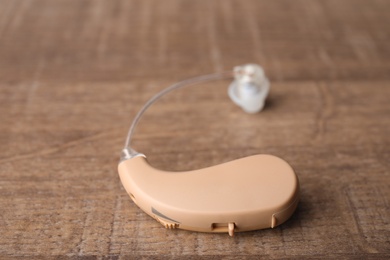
255,192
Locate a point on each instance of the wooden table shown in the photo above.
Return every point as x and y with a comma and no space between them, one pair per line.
74,73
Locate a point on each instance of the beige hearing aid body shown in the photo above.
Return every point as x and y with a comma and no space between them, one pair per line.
251,193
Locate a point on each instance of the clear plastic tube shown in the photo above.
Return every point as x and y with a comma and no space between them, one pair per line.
127,151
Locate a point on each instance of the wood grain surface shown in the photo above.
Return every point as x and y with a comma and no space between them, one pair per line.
74,73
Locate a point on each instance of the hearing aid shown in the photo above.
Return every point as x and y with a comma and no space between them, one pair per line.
251,193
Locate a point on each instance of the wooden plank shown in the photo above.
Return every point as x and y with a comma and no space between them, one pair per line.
74,73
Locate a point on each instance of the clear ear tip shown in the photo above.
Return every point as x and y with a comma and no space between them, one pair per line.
250,88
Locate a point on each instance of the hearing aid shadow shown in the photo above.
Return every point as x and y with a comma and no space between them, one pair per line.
314,197
270,103
301,215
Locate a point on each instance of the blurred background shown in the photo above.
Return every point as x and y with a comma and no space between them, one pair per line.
123,40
